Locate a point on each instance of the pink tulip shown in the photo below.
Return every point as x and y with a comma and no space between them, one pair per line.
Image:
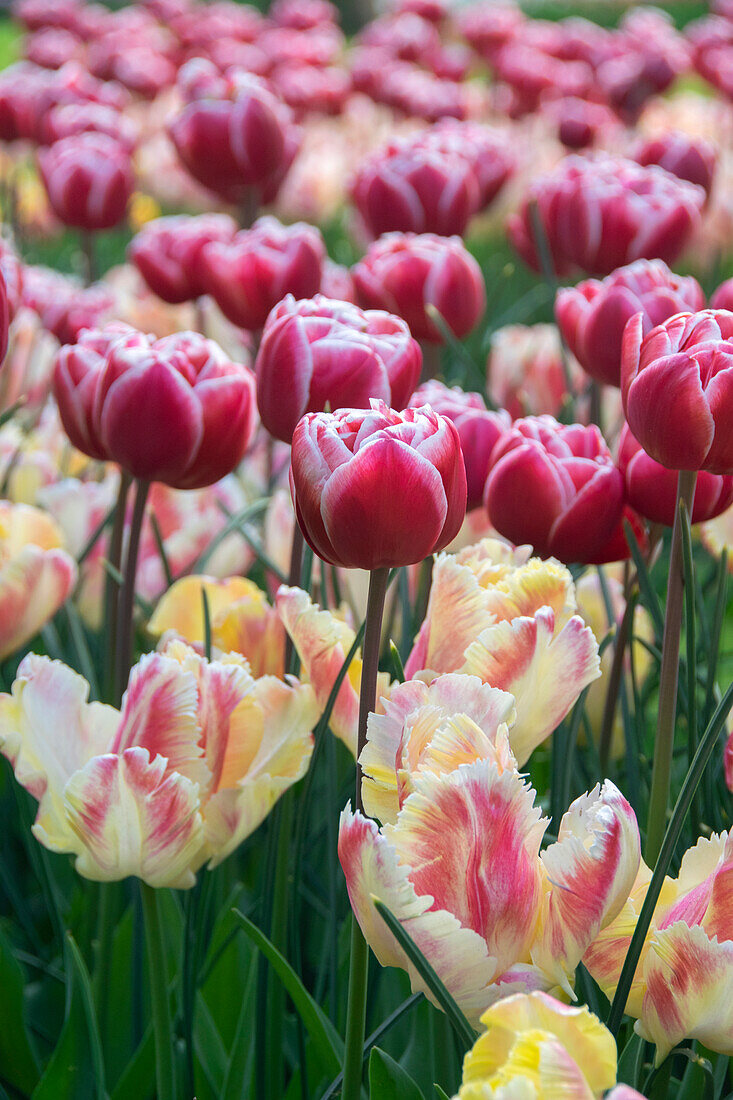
167,252
249,275
69,119
88,178
592,315
525,370
12,273
318,353
65,308
312,89
405,273
4,319
377,488
52,47
302,15
677,389
556,487
691,159
601,212
723,296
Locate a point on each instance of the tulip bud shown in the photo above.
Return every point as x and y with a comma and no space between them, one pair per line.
593,314
377,488
88,178
677,389
557,488
167,253
319,352
259,266
405,273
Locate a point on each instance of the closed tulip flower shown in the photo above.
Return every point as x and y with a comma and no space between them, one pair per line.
89,180
405,273
317,353
557,488
677,389
377,488
592,315
251,273
158,791
167,253
600,212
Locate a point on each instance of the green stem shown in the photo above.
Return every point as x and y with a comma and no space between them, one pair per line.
106,921
164,1066
430,361
664,742
125,626
359,961
614,681
111,589
89,256
296,565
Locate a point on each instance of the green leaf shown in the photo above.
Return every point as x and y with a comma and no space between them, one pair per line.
440,1094
326,1040
70,1074
85,987
461,1026
138,1080
17,1056
389,1081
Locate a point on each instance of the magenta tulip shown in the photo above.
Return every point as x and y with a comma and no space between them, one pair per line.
691,159
167,253
374,488
4,318
88,178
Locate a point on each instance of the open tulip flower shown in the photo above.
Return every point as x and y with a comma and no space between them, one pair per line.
537,1048
510,621
36,574
683,985
242,621
189,767
461,870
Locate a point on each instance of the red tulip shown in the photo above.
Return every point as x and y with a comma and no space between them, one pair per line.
601,212
478,430
375,488
691,159
651,489
593,314
174,410
319,352
677,389
405,273
88,178
250,274
557,488
167,253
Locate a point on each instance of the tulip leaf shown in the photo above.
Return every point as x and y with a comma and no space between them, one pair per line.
374,1038
325,1038
17,1056
70,1073
398,670
651,599
8,414
388,1080
440,1093
232,524
460,1024
138,1079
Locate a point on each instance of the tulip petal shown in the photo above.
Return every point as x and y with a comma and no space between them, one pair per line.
33,586
181,608
668,413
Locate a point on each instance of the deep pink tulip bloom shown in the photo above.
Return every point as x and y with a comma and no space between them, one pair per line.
256,269
320,352
303,15
167,253
174,410
556,487
677,389
601,212
691,159
312,88
723,296
479,430
52,47
88,178
651,489
68,119
406,272
64,307
375,488
4,318
593,314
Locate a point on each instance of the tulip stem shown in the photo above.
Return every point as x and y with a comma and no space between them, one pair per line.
112,592
248,208
127,596
90,259
664,742
296,565
614,679
165,1074
431,361
359,958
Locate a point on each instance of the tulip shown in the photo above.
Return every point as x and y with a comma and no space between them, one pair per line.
12,273
4,318
155,791
36,575
525,370
167,253
318,353
68,119
691,159
478,430
88,178
537,1048
461,869
250,274
174,410
651,489
375,488
683,984
511,622
598,213
302,15
406,273
592,315
64,307
557,488
483,147
677,389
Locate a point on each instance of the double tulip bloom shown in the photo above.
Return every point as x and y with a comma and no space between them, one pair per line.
88,178
319,352
376,488
156,790
167,253
174,410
